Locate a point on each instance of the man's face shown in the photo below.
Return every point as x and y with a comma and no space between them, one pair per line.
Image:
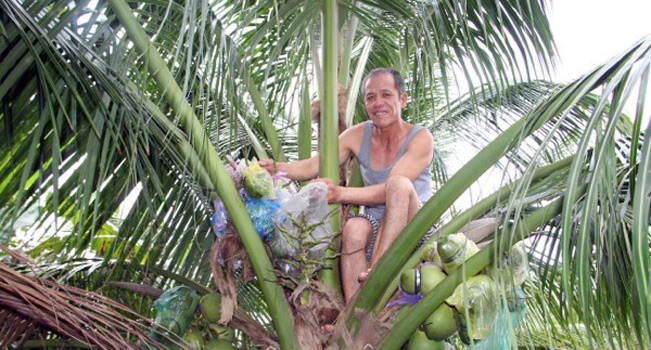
383,103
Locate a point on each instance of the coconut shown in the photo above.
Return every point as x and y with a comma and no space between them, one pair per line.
410,281
441,324
454,250
419,341
219,344
195,339
223,332
430,254
430,276
211,307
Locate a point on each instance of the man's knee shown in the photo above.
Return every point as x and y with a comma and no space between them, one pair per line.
356,234
399,184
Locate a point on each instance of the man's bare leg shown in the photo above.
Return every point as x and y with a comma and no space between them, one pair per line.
401,205
355,238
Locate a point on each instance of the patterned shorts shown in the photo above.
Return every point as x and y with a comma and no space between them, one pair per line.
375,224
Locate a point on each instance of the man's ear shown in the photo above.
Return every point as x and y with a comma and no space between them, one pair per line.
403,100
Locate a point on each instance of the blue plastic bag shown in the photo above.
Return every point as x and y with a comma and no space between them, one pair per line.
262,212
502,336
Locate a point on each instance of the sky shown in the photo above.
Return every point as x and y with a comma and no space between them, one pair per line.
589,32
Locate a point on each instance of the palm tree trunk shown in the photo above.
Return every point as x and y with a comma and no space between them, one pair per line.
273,293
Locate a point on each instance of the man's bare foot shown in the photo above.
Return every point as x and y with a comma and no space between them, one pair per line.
363,276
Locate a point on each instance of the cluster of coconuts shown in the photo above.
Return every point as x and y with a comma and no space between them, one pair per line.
210,305
439,259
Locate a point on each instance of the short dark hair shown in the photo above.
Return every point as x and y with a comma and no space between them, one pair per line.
398,80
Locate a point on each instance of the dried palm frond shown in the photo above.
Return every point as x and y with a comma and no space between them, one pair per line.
29,303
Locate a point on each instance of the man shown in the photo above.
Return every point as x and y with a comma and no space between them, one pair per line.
395,159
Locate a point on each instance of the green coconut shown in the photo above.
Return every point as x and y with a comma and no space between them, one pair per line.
430,254
454,249
195,339
223,332
211,307
441,324
219,344
257,181
430,276
410,281
419,341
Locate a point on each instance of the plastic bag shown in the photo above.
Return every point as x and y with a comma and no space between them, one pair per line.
477,297
257,181
235,171
174,311
454,249
308,208
502,336
263,213
219,218
512,269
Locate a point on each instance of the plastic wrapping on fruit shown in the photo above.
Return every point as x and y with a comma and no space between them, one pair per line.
454,250
512,269
257,181
174,311
477,300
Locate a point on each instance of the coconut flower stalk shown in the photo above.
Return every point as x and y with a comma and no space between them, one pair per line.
329,146
199,139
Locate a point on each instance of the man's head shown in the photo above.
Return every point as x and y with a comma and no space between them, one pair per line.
384,97
398,80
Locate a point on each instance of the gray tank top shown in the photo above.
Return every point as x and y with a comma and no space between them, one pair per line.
423,183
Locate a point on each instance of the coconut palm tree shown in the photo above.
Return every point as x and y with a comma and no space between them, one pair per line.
119,117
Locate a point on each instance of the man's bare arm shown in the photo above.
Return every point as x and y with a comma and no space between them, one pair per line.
417,156
309,168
